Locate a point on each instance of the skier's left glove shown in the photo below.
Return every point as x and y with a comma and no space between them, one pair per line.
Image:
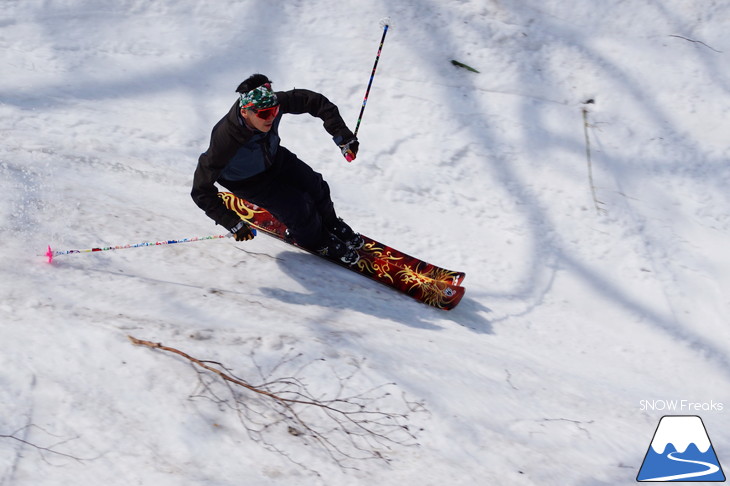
349,148
243,231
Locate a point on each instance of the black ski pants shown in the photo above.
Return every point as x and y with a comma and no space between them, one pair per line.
294,194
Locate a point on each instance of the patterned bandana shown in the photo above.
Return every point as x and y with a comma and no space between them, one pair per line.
258,98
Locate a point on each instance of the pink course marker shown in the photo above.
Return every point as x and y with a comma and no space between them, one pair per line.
49,254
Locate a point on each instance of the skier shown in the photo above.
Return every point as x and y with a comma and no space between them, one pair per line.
245,157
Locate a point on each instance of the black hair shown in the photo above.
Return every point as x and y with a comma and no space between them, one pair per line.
252,82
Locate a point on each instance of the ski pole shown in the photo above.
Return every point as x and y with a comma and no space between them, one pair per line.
54,253
385,23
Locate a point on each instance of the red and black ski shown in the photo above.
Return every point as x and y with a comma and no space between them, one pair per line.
427,283
402,260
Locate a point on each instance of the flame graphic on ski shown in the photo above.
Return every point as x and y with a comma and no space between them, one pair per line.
423,281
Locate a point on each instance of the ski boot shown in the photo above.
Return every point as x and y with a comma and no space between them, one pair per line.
336,249
346,234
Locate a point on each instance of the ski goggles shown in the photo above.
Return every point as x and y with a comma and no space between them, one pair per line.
266,113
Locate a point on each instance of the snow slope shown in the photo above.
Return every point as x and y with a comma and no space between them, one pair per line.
576,309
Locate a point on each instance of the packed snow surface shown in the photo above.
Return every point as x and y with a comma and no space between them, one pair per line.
580,178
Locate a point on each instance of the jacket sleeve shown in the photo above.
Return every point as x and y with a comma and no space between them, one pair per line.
298,101
210,165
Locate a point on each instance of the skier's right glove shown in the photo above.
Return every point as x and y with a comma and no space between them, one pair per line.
243,231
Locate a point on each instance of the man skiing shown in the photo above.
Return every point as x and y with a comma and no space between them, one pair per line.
245,157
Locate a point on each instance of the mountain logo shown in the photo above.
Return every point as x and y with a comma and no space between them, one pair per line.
680,451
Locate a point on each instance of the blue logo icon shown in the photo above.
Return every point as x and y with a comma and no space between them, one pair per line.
681,451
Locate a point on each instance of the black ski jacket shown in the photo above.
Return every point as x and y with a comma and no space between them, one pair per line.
238,153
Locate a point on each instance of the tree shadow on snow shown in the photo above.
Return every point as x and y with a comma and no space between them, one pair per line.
524,29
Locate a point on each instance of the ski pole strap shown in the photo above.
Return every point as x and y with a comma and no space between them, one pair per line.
54,253
372,75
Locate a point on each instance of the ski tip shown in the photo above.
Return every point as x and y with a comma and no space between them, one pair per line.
49,254
455,293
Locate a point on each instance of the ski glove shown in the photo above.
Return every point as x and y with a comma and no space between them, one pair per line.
243,231
349,148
